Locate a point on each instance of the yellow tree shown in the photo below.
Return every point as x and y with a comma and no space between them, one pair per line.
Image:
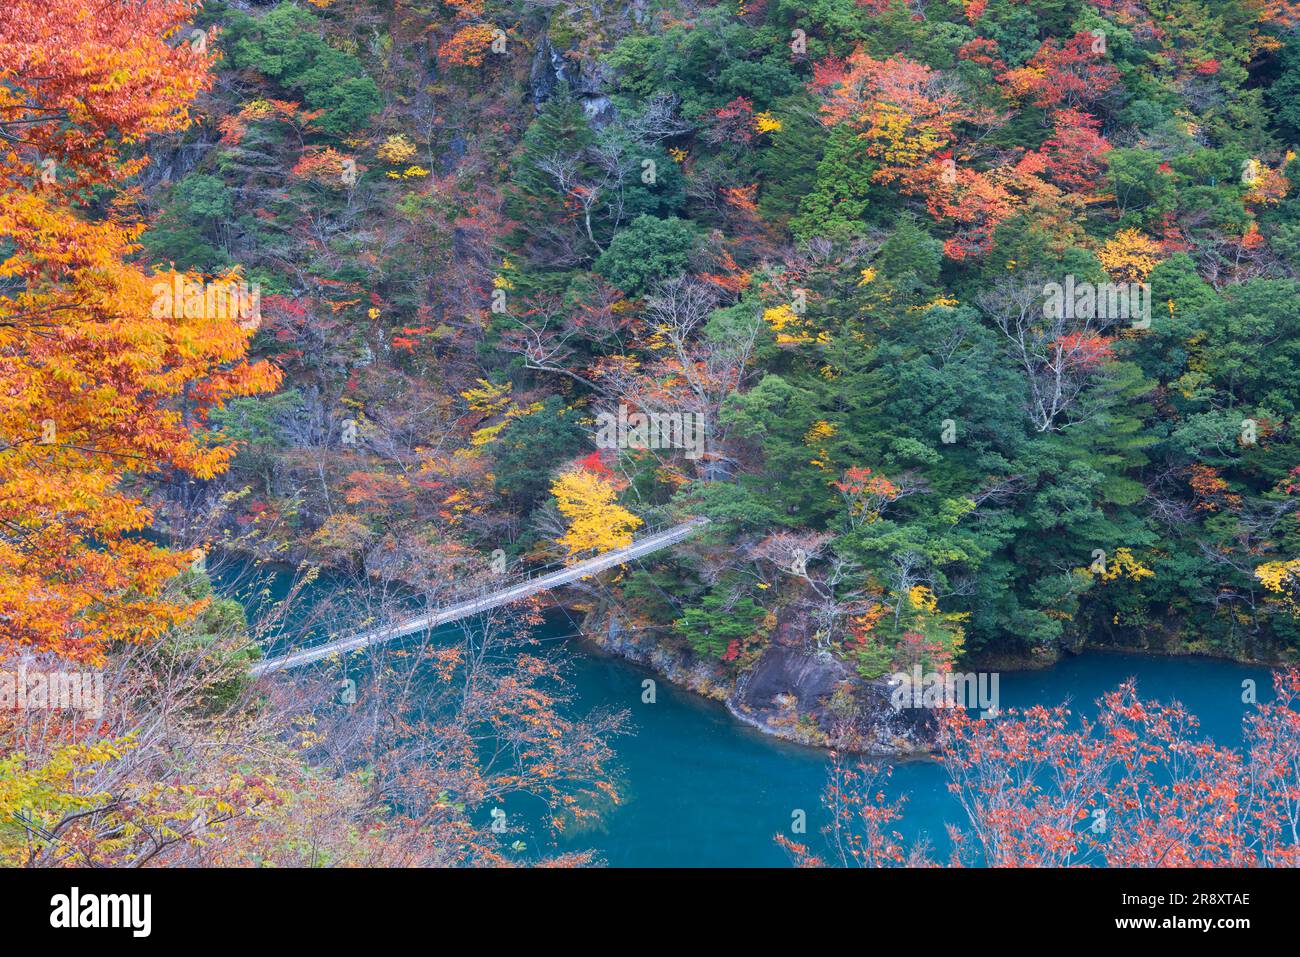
596,522
1282,580
98,386
1129,256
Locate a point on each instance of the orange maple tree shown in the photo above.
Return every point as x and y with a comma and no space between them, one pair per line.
469,45
1139,786
1064,74
902,110
97,388
909,116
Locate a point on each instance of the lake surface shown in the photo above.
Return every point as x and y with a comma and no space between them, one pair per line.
701,789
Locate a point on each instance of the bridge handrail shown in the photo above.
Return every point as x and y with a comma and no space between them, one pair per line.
466,605
648,532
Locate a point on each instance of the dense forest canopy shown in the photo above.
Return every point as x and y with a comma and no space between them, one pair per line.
825,229
970,325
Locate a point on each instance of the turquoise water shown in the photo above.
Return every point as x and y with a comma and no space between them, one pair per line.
704,790
700,789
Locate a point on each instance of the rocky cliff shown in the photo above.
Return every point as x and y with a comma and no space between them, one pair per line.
794,691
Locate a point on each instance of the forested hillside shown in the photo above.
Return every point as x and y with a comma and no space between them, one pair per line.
826,229
973,326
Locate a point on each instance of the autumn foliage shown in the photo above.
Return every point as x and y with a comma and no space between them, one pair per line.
918,128
1139,787
469,45
596,522
829,255
1066,74
97,388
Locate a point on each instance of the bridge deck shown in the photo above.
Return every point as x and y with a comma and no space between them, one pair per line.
473,606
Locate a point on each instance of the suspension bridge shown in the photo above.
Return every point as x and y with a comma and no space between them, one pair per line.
486,600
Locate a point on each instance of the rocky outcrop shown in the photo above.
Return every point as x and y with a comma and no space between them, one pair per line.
814,698
679,665
808,695
793,691
546,73
552,71
174,165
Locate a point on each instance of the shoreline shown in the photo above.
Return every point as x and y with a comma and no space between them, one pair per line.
600,630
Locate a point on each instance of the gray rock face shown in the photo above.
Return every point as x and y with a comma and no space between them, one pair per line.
793,692
552,71
598,110
814,698
545,74
783,675
174,166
